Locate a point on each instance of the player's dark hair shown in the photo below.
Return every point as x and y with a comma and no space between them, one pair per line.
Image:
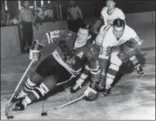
119,23
87,27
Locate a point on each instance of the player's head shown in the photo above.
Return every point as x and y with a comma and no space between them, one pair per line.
26,4
118,25
84,33
72,2
110,4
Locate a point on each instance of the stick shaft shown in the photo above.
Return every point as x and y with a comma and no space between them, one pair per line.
73,101
23,76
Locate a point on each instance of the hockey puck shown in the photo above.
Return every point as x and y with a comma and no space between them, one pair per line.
44,113
10,117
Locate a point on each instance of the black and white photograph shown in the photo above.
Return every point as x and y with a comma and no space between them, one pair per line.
78,59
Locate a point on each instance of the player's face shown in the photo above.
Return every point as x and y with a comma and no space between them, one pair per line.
26,4
82,35
110,4
118,31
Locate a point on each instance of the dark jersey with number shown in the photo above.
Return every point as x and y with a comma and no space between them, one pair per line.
71,58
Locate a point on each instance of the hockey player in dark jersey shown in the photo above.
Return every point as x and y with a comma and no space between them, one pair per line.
72,56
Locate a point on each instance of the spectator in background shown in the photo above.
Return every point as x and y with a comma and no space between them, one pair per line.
74,16
26,19
49,13
39,14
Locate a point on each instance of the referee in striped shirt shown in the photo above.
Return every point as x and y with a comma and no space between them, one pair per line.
26,19
74,16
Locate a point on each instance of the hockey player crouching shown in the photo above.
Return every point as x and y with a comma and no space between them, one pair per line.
108,15
119,44
66,61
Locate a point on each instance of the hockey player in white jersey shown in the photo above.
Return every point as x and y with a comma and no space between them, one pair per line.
108,14
119,43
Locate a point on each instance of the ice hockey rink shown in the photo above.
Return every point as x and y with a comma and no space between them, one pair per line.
131,98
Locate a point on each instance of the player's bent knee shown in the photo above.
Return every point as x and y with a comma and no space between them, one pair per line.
41,90
50,82
36,78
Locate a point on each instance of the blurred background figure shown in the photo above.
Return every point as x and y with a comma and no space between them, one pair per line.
14,20
26,19
49,13
44,14
74,16
39,14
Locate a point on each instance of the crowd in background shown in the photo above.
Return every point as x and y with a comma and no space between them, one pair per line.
27,17
40,14
46,13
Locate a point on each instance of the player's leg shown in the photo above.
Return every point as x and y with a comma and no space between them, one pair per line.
54,69
37,93
35,78
112,71
30,84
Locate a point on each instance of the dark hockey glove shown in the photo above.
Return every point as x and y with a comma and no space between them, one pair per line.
123,56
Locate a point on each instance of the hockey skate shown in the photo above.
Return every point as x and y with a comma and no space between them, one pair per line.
20,105
139,70
106,92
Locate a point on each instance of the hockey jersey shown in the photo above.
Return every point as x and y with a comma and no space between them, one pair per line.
109,18
109,40
71,58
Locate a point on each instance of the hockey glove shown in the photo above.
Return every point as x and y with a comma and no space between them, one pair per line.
90,94
34,53
77,86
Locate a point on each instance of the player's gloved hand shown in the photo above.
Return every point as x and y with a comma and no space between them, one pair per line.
77,86
90,94
34,55
123,56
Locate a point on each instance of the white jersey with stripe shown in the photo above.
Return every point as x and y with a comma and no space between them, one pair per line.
109,39
100,36
109,18
112,41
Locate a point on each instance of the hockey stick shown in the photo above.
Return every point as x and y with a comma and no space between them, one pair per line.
9,103
64,105
69,103
43,113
